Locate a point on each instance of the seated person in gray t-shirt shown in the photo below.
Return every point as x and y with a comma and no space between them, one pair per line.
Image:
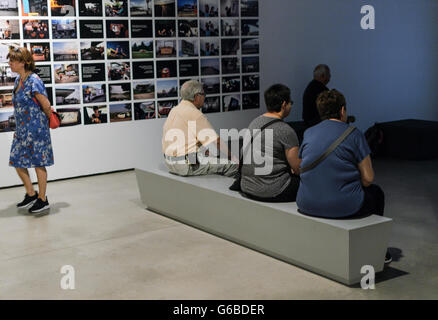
279,181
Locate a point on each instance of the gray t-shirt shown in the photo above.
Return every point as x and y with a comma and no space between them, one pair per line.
271,184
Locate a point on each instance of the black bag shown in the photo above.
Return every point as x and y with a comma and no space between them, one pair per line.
236,184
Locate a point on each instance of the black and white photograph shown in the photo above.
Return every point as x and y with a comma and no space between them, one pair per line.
7,77
166,69
90,8
95,114
229,8
116,8
167,88
40,51
117,49
210,67
212,85
165,28
9,8
93,93
230,47
165,106
251,82
251,101
91,29
69,116
141,8
92,50
188,28
144,110
142,49
188,68
230,65
143,70
144,90
250,64
64,29
249,8
120,112
250,46
7,121
44,72
230,27
6,99
164,8
188,48
208,8
211,105
231,102
187,8
34,8
63,8
231,84
209,27
65,51
165,48
141,29
68,95
119,71
250,27
9,29
119,92
35,29
209,47
117,28
93,72
66,73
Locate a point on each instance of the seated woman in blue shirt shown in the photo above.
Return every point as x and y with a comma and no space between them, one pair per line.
341,185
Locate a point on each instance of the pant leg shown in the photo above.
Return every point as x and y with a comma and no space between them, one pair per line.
212,165
374,202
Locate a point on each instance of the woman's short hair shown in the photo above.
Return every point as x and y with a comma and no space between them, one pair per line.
330,103
275,95
21,54
191,88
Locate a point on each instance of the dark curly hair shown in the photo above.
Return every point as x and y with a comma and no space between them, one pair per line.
275,95
330,103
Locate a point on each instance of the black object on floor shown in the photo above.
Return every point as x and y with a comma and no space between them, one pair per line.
410,139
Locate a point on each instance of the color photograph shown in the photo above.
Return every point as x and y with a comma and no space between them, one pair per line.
230,84
117,29
34,8
90,8
64,29
9,8
116,8
120,112
142,49
6,99
144,110
229,8
250,46
40,51
166,69
188,28
63,8
120,92
68,95
167,88
65,51
144,90
251,82
9,29
141,8
231,102
211,105
95,114
230,65
165,48
164,8
211,85
187,8
69,116
165,106
66,73
208,8
210,47
93,93
188,48
7,121
92,50
117,49
35,29
210,67
119,71
209,28
230,27
165,28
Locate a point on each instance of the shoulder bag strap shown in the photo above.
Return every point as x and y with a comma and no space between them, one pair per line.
330,149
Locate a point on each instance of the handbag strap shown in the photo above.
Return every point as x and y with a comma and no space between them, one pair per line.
329,150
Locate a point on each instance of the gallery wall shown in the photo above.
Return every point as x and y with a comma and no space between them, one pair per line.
113,71
386,74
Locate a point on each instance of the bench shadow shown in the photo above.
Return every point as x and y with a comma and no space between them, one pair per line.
13,211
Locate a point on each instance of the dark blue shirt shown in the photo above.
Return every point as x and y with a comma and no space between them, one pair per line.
333,189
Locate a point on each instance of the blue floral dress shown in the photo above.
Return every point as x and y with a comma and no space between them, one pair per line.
31,146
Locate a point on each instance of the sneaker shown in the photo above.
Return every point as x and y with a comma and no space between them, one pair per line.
388,258
39,206
28,201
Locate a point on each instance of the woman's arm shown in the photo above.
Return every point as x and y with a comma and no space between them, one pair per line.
293,160
366,171
45,104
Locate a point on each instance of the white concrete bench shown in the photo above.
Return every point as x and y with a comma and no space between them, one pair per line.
336,249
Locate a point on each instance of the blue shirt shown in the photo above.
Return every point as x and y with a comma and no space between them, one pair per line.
333,189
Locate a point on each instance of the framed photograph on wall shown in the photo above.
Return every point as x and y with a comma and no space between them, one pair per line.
167,88
117,50
66,73
145,110
120,112
164,8
65,51
212,104
91,29
117,29
116,8
165,28
67,95
90,8
166,69
141,29
208,8
9,8
7,77
119,71
165,106
143,70
9,29
40,51
142,49
144,90
95,114
93,93
44,72
92,50
141,8
64,29
93,72
35,29
63,8
120,91
34,8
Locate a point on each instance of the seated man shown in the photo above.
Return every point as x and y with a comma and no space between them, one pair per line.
185,130
341,185
280,184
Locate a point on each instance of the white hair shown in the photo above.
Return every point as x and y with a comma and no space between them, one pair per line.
321,70
190,88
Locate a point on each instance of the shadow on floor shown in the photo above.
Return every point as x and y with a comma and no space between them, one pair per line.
13,211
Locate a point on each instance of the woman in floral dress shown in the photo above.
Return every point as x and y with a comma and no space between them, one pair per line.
31,146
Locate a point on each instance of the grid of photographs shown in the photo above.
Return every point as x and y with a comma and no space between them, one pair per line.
107,61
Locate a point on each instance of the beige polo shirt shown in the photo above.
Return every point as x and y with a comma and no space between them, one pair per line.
186,128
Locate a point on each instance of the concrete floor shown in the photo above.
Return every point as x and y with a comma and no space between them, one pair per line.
121,251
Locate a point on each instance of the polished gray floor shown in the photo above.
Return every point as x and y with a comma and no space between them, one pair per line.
121,251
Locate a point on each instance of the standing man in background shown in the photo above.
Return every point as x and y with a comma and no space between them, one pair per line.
321,77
